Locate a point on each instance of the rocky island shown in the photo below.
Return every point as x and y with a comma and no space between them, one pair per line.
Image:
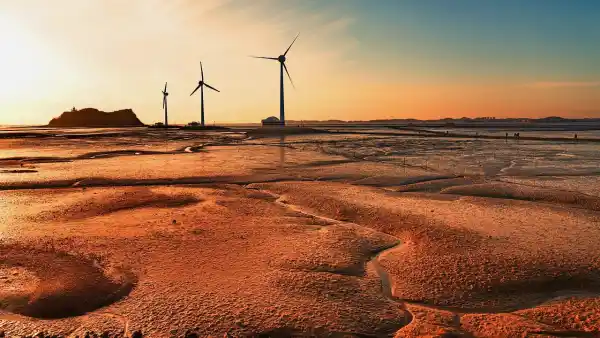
91,117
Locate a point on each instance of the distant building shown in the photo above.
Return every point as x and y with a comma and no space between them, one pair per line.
271,121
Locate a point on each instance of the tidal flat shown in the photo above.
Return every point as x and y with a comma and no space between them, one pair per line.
174,232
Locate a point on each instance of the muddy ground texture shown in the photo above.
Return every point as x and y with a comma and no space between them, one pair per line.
163,234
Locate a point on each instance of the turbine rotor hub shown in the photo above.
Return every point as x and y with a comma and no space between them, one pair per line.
281,58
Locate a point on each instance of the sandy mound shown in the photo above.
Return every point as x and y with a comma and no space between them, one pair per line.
348,250
46,284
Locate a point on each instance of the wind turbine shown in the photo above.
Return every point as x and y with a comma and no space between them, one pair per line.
201,85
165,94
281,59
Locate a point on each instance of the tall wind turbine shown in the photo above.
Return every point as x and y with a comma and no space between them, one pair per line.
201,85
281,59
165,94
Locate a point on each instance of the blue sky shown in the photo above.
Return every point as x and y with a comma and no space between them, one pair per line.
470,38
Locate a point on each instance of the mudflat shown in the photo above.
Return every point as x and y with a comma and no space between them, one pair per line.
173,232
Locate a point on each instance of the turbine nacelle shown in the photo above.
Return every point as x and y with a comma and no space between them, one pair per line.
202,84
164,91
281,58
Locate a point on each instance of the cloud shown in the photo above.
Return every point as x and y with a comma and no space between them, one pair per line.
564,84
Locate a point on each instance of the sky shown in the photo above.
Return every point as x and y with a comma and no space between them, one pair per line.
354,59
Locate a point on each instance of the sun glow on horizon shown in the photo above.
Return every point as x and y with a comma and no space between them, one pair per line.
32,73
18,64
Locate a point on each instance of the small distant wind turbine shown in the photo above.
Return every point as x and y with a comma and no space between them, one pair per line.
165,94
281,59
201,85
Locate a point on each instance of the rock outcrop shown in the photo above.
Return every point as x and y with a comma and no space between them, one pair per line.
91,117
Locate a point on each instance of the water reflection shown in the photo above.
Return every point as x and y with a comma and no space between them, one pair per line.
282,151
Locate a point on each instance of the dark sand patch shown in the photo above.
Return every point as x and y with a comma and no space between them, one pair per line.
434,185
324,163
387,181
116,153
21,161
18,171
104,202
205,128
109,182
280,131
526,193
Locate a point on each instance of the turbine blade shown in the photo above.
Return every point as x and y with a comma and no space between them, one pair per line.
285,54
263,57
164,91
211,87
289,76
195,90
202,71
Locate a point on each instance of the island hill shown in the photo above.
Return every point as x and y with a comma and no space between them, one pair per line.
91,117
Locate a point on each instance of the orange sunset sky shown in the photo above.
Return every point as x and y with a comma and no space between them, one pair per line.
354,60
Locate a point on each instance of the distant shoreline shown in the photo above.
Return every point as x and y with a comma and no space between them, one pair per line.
43,132
481,136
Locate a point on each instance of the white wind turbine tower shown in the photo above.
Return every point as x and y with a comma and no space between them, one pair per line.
201,85
281,59
165,94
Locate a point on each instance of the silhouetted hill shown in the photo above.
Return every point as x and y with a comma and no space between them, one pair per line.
91,117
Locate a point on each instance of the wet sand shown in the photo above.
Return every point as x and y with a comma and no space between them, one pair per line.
168,232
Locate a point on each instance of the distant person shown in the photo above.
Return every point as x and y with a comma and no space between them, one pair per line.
575,137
